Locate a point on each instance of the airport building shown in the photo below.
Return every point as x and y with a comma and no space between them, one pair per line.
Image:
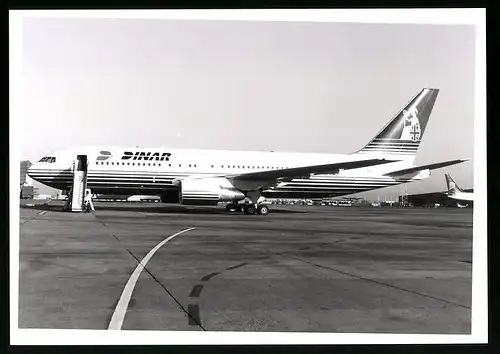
24,169
27,190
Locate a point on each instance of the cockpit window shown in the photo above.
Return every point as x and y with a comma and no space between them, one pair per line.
48,159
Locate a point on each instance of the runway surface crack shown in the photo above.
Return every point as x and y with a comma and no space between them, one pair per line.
377,282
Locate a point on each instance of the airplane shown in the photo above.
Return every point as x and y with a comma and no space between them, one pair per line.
244,179
142,198
455,192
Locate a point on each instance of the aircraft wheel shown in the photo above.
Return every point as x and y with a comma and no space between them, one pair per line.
249,209
262,210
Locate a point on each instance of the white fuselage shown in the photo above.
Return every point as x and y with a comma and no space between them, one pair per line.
117,170
464,196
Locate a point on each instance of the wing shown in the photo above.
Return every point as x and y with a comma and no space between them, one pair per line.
297,172
431,166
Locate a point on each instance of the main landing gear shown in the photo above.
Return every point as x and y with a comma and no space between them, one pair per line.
248,209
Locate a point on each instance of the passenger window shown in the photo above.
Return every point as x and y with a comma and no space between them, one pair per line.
112,163
144,164
154,164
128,163
107,163
169,165
149,163
212,166
189,165
179,165
195,165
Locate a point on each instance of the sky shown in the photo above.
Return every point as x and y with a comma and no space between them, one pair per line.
238,85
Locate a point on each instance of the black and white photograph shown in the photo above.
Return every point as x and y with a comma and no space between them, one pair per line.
239,176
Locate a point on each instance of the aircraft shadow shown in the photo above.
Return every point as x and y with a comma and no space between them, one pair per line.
179,209
163,209
47,207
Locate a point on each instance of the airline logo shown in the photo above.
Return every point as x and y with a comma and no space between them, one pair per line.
104,155
411,125
146,156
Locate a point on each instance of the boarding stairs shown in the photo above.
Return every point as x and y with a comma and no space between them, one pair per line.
79,193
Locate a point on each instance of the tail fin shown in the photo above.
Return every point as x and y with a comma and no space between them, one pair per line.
401,137
452,186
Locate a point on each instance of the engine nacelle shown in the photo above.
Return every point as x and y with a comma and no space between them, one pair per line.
207,191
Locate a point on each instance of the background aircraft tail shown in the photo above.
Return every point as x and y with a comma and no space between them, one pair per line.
400,138
452,186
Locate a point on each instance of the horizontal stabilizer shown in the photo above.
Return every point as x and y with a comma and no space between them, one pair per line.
297,172
431,166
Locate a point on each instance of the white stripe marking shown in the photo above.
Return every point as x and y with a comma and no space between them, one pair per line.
121,308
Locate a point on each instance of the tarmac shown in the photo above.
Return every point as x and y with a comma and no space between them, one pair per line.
300,268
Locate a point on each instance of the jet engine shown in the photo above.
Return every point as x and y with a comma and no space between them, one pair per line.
207,191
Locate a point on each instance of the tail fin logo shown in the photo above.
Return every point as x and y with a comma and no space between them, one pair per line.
411,125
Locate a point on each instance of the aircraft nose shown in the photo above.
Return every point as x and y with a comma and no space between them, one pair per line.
32,171
29,172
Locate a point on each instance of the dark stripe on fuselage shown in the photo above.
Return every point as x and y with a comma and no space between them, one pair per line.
136,182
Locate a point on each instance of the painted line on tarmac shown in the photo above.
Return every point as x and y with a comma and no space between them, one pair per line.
194,312
194,318
210,276
122,306
196,291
